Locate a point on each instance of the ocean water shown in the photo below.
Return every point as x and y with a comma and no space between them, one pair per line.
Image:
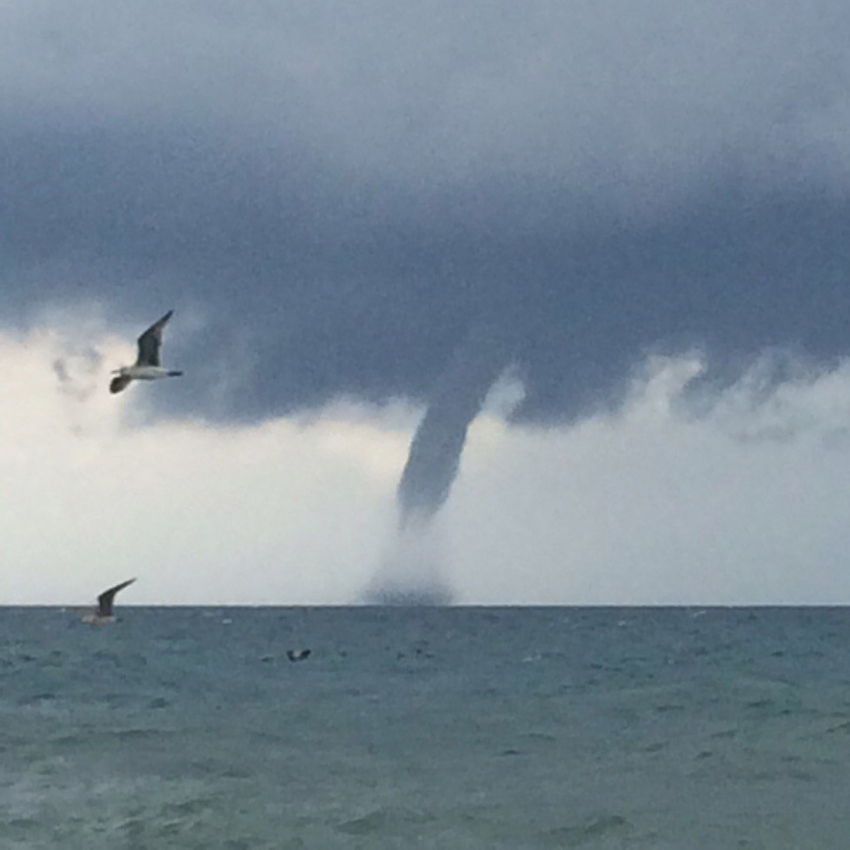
426,728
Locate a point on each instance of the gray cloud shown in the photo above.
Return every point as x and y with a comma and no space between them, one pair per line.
344,192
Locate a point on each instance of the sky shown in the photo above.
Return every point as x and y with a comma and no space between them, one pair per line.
642,212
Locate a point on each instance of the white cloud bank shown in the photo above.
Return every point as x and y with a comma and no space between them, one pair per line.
746,502
278,512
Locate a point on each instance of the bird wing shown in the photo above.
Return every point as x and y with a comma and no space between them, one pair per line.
150,342
104,601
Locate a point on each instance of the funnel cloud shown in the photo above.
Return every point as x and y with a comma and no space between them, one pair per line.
412,573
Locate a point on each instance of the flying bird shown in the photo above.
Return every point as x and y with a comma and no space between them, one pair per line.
147,366
104,604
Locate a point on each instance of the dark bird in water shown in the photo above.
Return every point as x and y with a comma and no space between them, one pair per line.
297,654
104,604
147,366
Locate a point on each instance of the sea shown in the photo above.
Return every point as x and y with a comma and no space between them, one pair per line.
440,727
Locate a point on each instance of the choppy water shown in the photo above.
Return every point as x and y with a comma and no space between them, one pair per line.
432,728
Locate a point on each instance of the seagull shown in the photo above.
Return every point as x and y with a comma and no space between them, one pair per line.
146,367
104,604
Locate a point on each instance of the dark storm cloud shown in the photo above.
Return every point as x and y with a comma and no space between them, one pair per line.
338,193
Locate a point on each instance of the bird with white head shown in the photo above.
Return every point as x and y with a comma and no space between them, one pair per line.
147,366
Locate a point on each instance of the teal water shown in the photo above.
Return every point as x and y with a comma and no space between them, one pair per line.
431,728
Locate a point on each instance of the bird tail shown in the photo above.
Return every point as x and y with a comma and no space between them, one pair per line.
174,374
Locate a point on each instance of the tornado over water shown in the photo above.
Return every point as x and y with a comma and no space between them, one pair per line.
414,572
